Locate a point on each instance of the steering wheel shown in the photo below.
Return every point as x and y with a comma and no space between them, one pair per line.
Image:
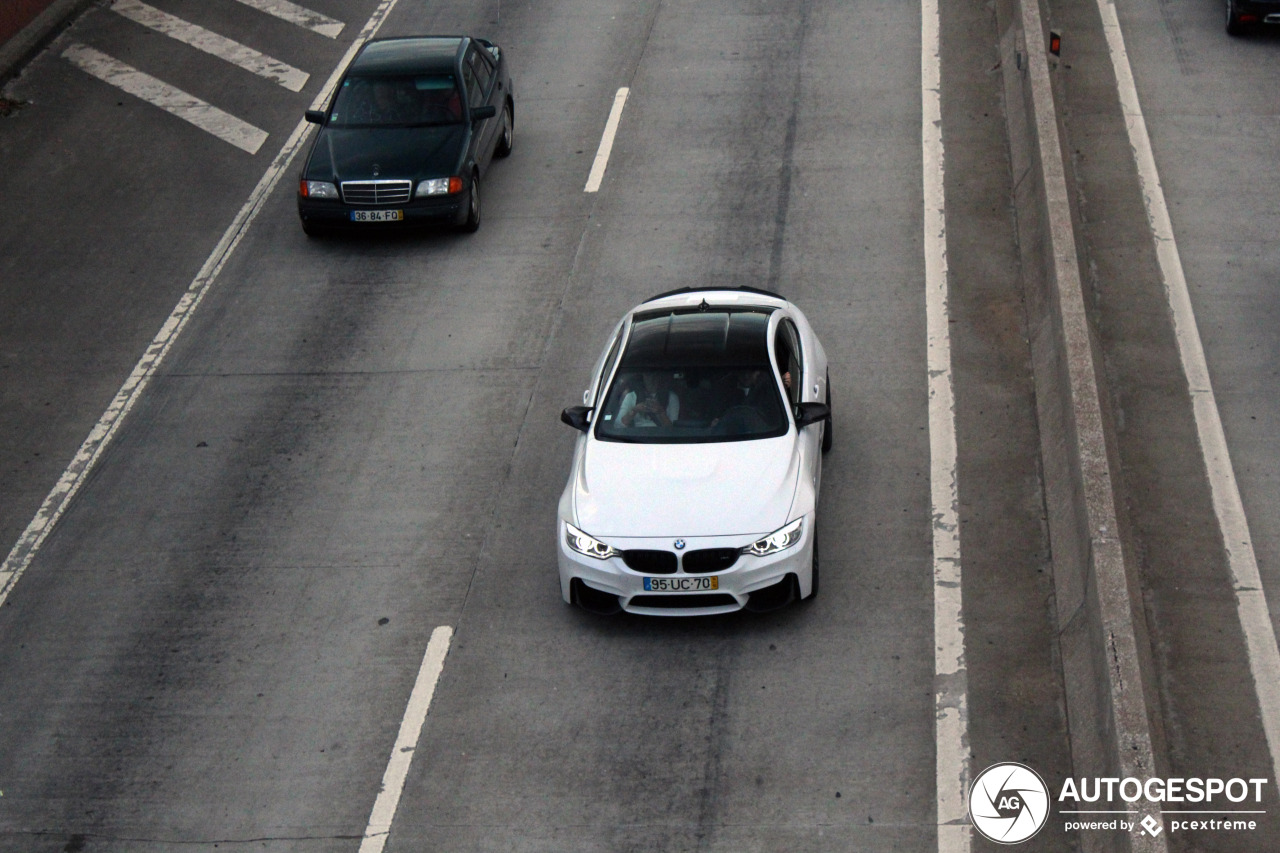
738,420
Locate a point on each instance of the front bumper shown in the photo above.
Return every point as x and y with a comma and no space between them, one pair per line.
751,582
331,213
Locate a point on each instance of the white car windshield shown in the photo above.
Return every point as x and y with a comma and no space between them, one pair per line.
694,377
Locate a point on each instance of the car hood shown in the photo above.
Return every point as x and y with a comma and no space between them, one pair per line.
717,489
399,152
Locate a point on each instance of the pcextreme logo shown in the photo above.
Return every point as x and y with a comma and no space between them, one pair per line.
1009,803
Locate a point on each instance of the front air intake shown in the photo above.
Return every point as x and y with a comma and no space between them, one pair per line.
650,562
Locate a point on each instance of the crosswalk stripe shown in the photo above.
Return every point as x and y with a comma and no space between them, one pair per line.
295,14
210,42
187,107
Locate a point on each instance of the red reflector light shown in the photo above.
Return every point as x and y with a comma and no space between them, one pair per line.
302,188
455,185
1248,19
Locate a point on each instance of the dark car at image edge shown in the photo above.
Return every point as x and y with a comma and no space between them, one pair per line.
1245,15
408,136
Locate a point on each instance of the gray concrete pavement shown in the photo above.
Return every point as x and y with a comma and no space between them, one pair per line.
356,441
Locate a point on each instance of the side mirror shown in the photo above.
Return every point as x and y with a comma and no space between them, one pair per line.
811,413
478,113
578,417
315,116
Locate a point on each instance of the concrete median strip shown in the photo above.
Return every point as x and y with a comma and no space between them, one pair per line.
1102,636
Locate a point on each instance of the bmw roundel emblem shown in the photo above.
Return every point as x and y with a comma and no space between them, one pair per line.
679,543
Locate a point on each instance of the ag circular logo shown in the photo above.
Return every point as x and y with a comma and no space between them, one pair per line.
1008,803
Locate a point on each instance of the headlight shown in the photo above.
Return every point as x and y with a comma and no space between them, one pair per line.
439,186
318,189
584,544
779,540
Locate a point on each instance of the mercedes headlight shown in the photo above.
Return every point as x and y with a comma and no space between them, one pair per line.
318,189
779,540
584,544
439,186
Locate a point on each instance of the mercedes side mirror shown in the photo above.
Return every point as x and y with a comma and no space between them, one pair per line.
315,116
578,417
811,413
478,113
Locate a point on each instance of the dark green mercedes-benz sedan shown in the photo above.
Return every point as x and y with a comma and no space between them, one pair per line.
409,135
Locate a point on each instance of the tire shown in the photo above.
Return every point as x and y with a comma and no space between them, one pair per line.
507,137
827,436
1234,27
813,587
472,223
315,232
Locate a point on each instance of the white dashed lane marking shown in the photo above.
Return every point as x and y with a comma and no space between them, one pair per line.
175,101
606,142
384,807
212,43
295,14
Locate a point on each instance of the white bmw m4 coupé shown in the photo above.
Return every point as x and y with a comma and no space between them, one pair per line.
694,484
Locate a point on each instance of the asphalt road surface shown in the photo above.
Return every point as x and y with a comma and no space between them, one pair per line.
356,441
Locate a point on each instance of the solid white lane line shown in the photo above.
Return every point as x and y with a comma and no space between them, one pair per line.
1251,600
951,729
295,14
187,107
606,142
224,48
99,438
384,807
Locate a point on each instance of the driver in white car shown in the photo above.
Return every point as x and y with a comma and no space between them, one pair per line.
659,406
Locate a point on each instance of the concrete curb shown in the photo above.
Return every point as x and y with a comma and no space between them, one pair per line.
1102,634
31,39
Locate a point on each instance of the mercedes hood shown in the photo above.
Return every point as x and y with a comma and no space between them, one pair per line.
398,152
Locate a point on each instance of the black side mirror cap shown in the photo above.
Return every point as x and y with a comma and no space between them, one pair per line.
578,417
811,413
478,113
315,116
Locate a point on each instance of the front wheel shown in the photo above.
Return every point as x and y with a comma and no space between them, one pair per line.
472,223
813,584
827,437
507,138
